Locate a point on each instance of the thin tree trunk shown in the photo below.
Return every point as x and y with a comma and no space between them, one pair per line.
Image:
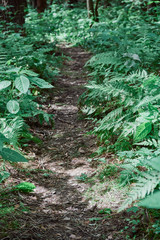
96,11
33,3
90,8
14,11
41,5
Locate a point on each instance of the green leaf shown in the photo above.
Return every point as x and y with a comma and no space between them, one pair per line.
155,163
133,209
29,73
142,131
4,175
95,219
149,81
13,70
136,57
11,155
22,83
2,140
13,106
4,84
6,210
2,8
41,83
152,201
105,211
25,187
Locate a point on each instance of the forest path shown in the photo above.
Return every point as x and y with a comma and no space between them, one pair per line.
58,210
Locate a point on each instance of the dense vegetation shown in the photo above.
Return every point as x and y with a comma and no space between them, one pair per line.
122,97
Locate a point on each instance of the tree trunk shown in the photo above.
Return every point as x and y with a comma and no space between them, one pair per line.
33,3
71,2
96,11
41,5
14,11
90,8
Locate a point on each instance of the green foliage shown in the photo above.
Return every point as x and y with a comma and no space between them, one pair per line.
95,219
25,187
146,183
9,155
123,97
107,171
151,201
156,227
82,178
23,64
28,65
142,131
105,211
132,116
3,175
6,210
142,170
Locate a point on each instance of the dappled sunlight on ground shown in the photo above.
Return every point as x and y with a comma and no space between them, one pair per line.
67,108
61,208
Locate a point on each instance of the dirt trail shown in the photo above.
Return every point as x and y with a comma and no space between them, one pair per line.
58,210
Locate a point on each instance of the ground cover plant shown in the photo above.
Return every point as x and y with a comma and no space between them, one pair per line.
28,64
122,98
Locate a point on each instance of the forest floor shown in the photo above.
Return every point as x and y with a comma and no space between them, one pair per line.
58,208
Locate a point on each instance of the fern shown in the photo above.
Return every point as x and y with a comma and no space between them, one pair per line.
141,168
132,97
26,61
149,142
104,59
146,183
12,129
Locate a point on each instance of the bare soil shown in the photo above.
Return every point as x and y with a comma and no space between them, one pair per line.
57,209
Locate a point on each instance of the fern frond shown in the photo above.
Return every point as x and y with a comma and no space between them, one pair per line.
149,142
114,114
105,58
145,101
12,129
145,184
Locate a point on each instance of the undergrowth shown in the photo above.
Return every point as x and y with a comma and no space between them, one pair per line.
29,64
123,95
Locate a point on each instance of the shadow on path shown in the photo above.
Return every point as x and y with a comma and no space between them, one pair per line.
57,208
